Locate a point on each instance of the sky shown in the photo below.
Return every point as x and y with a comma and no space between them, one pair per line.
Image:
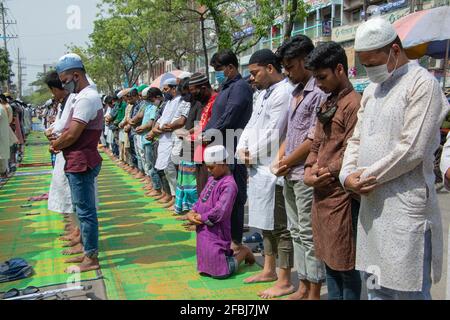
44,28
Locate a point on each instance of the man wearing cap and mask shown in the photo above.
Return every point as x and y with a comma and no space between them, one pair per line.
79,142
389,161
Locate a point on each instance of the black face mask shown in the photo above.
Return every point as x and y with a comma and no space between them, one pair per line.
325,117
168,96
188,97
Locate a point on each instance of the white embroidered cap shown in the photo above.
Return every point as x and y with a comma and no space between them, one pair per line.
215,154
374,34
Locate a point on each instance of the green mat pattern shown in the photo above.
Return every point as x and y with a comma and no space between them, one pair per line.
144,252
34,238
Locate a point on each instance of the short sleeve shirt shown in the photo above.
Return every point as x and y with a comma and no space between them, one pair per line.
83,154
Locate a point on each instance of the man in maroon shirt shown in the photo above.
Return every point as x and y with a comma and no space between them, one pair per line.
79,144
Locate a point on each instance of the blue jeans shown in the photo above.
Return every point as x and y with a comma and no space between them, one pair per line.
150,166
133,153
391,294
82,187
343,285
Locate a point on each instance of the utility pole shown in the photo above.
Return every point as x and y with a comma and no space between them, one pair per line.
2,8
5,37
19,74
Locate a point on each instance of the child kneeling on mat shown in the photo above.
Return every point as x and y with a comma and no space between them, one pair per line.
212,216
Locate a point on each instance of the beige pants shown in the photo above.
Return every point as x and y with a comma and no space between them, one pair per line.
3,166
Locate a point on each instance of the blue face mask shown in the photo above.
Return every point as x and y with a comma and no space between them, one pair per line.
220,77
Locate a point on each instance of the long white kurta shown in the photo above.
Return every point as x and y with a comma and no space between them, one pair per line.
261,136
165,142
59,196
4,135
394,140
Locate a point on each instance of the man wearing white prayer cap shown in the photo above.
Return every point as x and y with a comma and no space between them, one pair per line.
78,143
389,162
184,75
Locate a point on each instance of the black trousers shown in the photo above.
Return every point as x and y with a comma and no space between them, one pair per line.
240,175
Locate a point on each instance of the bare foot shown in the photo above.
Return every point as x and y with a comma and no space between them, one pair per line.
67,238
155,194
73,242
88,264
297,296
236,247
139,176
165,199
277,290
78,259
249,257
69,226
169,204
181,218
172,208
262,277
71,236
74,250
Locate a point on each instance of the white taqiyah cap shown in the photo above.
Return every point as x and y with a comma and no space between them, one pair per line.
215,154
123,93
184,75
145,91
374,34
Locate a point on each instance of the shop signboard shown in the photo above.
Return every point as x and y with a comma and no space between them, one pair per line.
348,32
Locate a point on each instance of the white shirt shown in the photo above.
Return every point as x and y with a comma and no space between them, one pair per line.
261,137
265,128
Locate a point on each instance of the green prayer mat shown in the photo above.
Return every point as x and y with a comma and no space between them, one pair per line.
33,238
144,252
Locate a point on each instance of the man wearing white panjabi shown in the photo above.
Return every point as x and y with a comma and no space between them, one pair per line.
389,161
257,148
59,199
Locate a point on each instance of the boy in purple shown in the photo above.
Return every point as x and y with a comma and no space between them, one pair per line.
212,217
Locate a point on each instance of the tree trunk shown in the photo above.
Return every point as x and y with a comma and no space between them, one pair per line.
290,23
205,48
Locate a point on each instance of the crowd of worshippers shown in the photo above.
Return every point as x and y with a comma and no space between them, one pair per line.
348,195
15,125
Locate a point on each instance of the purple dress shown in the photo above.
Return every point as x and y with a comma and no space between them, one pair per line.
215,205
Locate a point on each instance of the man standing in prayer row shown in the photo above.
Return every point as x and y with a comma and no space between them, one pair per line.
257,148
79,144
305,100
389,161
334,212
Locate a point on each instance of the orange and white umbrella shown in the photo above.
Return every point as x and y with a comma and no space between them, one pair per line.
425,32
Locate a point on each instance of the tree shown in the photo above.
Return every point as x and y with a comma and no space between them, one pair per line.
5,65
113,39
42,94
293,10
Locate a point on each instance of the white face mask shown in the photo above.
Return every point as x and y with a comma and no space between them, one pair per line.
379,74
